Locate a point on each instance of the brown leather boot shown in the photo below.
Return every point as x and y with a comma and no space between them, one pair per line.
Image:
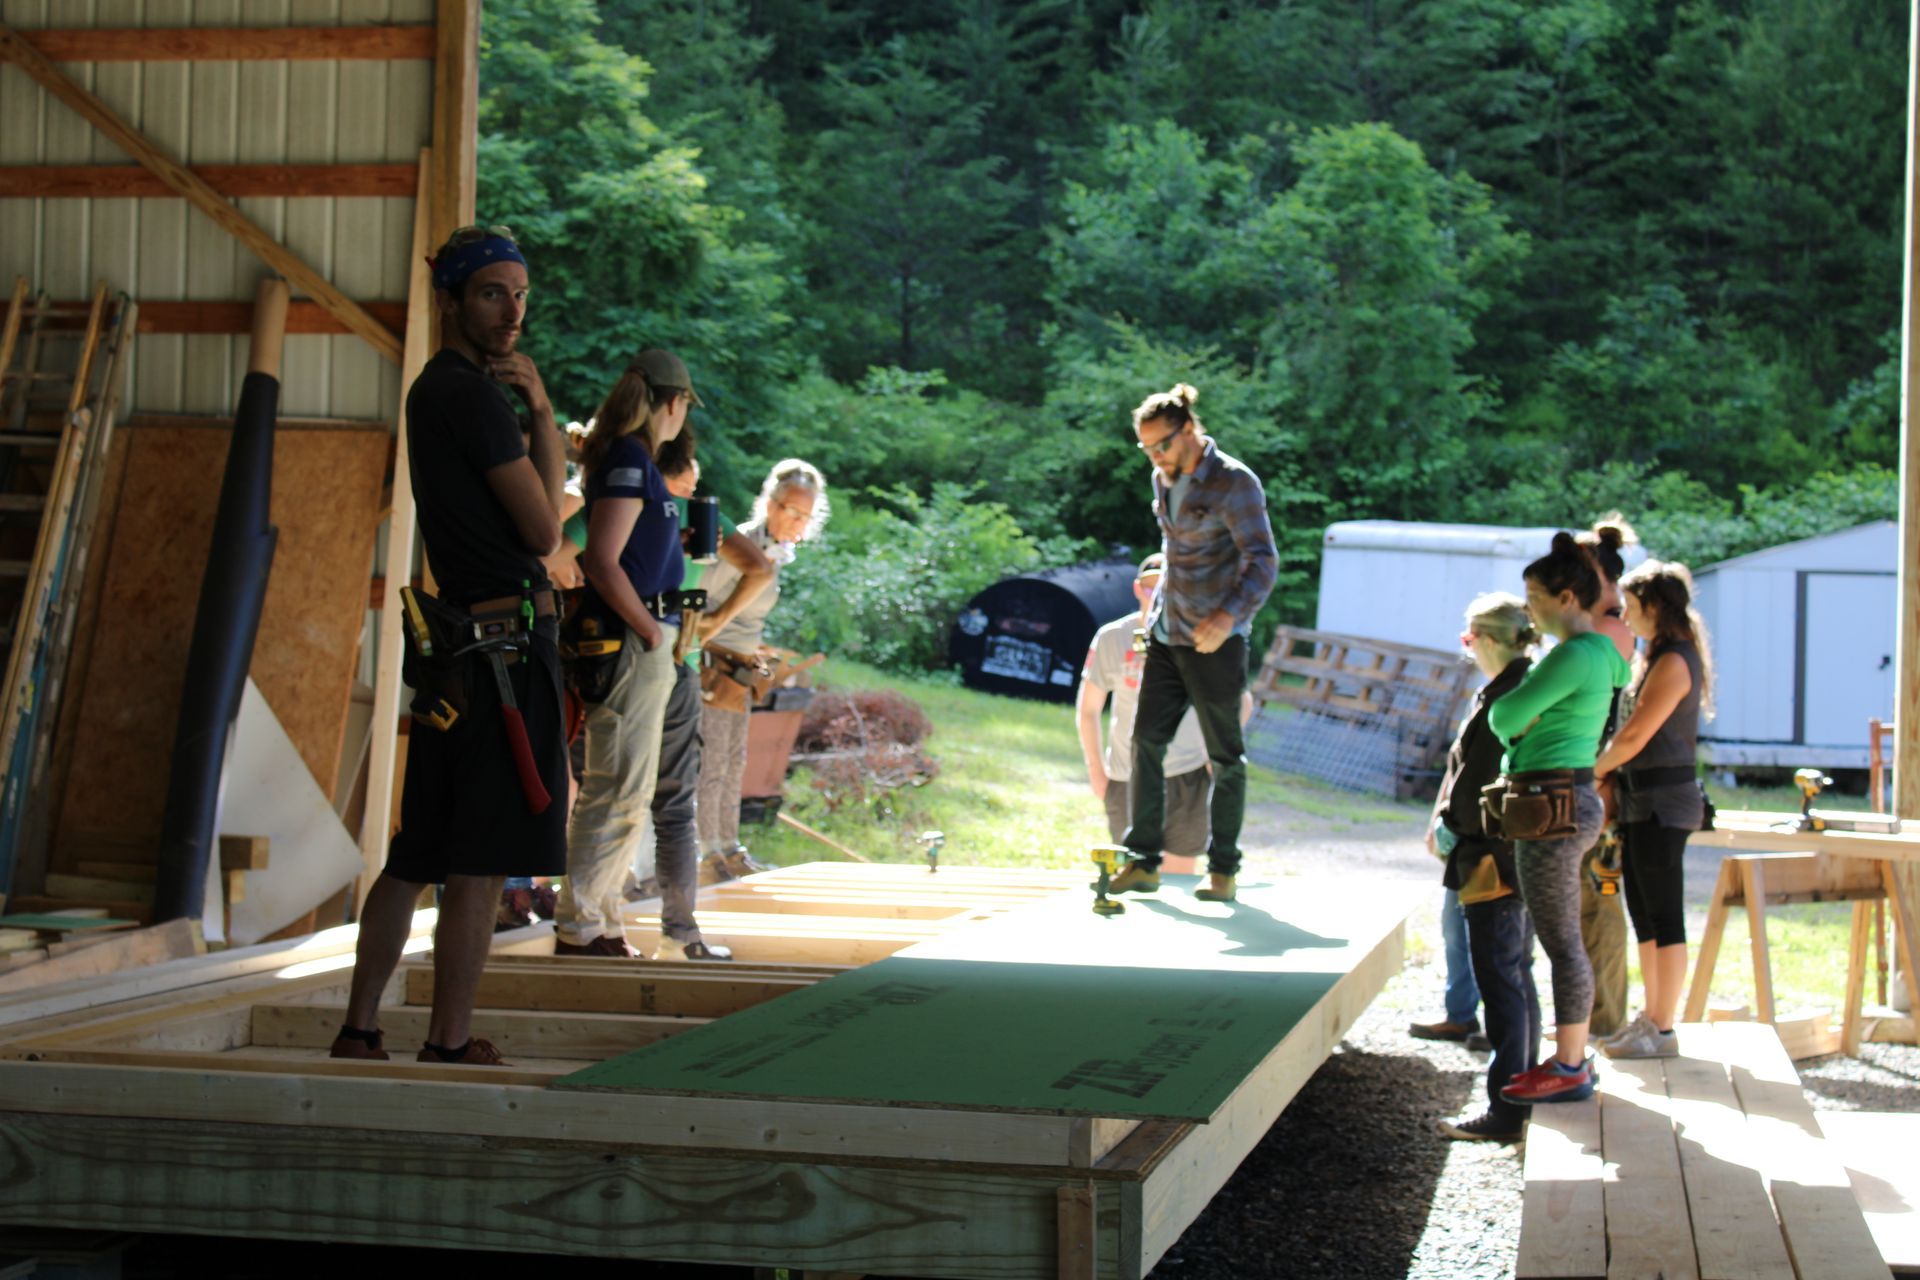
1219,889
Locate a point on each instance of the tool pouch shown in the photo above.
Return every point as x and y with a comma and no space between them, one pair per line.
731,681
1537,806
435,670
590,655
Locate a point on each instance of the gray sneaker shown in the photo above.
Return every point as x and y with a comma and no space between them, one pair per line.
1640,1024
1643,1041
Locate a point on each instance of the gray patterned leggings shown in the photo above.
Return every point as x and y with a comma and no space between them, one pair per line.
1550,885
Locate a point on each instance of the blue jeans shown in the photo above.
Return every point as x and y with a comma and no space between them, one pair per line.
1500,938
519,882
1463,997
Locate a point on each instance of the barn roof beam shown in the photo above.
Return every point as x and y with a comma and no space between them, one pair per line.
236,44
16,49
303,317
129,181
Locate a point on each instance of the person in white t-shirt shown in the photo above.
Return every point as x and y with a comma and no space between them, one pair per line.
1113,667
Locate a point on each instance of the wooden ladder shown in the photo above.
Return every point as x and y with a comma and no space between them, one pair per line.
61,369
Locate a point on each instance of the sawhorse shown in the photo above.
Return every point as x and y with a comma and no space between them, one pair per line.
1758,880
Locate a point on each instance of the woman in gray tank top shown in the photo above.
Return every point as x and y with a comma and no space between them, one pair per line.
1651,759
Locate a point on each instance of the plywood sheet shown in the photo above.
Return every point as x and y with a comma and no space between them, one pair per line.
327,485
1160,1013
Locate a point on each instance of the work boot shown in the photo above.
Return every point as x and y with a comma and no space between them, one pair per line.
1135,878
1219,889
474,1053
1445,1029
361,1045
602,946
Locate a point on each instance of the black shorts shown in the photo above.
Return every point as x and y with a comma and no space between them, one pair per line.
463,811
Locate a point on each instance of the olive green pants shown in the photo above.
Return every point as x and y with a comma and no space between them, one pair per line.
1603,929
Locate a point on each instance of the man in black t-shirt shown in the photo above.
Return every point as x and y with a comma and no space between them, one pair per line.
488,492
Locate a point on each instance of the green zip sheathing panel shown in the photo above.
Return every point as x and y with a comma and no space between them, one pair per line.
1159,1013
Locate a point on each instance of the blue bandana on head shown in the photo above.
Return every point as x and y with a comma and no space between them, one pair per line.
454,266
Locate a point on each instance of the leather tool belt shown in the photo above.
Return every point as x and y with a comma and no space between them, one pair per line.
733,681
543,604
1533,806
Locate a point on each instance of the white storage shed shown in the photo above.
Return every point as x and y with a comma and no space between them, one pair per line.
1803,644
1410,582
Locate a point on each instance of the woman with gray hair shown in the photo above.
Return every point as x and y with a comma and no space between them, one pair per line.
791,509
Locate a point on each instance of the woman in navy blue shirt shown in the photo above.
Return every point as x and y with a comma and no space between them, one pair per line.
633,566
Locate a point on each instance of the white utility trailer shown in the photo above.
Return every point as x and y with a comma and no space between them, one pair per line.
1803,644
1410,582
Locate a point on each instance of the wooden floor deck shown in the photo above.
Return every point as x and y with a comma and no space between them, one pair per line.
210,1107
1709,1166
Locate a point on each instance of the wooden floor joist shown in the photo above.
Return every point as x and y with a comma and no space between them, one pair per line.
267,1136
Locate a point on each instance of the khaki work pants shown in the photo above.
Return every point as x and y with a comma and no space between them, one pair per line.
1603,930
616,794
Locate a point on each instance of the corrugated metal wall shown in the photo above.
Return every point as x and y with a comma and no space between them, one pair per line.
224,113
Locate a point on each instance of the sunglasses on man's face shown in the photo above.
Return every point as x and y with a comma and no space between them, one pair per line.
1160,446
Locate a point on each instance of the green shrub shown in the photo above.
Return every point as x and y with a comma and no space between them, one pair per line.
885,582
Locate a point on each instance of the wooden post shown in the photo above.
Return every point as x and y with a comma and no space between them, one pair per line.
456,116
378,811
1753,877
1906,738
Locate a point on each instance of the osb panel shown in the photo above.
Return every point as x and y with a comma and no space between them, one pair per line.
327,486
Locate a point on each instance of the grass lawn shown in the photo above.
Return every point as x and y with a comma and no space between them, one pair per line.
1012,792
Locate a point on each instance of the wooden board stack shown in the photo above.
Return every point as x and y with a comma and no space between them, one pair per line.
1709,1166
267,1136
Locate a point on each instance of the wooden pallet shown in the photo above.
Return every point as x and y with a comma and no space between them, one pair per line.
1709,1166
1396,705
266,1136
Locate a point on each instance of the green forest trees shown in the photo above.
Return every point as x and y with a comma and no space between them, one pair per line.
1485,260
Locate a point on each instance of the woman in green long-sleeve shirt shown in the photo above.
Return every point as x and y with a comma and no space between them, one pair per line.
1551,723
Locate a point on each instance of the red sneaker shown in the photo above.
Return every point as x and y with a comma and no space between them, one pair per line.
1547,1083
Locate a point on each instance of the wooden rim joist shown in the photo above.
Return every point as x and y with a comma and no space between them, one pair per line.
267,1136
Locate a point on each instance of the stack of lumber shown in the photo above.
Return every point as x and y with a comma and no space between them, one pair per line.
40,950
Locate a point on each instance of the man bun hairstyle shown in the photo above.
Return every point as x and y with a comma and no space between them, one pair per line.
1567,566
1606,542
1175,407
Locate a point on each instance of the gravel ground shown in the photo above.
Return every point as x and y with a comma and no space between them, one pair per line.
1354,1182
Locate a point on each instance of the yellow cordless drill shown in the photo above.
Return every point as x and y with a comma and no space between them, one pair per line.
1110,858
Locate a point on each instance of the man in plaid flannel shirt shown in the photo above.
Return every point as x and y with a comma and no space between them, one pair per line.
1221,565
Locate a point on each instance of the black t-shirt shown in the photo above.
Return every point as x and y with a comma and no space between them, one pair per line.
460,425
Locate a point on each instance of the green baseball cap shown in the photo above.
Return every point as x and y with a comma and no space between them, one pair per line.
662,368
